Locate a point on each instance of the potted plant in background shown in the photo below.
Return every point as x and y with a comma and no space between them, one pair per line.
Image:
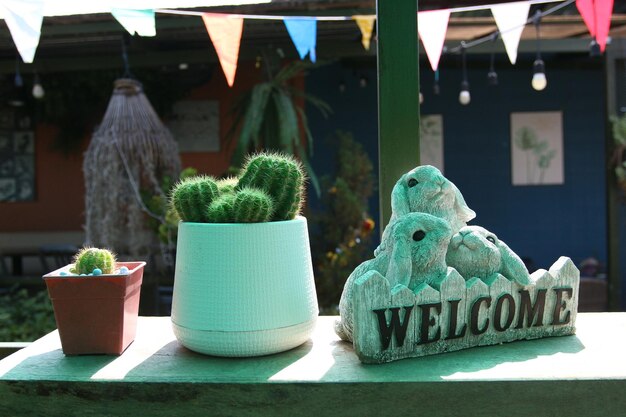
244,282
96,302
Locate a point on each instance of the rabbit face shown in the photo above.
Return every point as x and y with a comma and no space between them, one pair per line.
417,248
473,252
476,252
424,189
427,188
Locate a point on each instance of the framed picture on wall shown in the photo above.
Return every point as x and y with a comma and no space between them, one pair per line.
537,148
431,140
196,125
17,165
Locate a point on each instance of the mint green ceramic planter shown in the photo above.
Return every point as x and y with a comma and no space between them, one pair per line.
243,289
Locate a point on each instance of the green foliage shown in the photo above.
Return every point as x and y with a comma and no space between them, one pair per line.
88,259
341,234
167,228
248,205
24,317
281,177
271,116
618,161
191,197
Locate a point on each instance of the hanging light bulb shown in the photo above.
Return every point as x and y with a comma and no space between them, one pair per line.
421,97
38,91
539,81
16,96
464,95
594,48
492,75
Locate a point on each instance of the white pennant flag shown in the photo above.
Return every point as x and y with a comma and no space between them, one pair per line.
140,22
511,19
24,18
432,27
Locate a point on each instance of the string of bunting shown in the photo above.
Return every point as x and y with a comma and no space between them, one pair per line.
225,30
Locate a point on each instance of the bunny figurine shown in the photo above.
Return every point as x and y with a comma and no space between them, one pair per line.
425,190
414,253
476,252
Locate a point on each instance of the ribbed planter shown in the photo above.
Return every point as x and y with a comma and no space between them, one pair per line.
243,289
96,314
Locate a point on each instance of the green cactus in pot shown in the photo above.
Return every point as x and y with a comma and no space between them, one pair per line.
270,188
91,260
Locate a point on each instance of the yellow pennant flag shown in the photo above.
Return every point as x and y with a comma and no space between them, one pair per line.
225,33
366,24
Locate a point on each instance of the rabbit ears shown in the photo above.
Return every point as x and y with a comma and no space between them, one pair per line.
400,201
512,267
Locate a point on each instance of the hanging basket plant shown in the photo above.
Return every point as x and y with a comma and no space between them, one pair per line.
131,151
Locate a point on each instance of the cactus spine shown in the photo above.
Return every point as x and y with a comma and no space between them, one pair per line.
245,206
281,177
227,185
192,196
88,259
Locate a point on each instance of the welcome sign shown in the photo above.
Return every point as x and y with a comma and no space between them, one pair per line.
396,323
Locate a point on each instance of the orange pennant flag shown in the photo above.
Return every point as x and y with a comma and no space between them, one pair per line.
225,33
366,24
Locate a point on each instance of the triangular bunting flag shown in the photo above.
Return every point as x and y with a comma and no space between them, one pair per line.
140,22
303,32
225,33
597,17
24,20
432,27
511,19
366,25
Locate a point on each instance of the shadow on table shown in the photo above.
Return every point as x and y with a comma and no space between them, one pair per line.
473,363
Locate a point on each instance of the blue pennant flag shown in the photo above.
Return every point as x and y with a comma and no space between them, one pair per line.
303,32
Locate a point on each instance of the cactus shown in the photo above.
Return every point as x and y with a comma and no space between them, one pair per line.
245,206
191,197
227,185
281,177
88,259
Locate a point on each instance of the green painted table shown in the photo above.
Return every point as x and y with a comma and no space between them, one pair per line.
582,375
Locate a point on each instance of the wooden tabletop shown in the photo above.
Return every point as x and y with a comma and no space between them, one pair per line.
581,375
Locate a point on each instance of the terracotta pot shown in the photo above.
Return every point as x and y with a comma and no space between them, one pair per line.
243,289
96,314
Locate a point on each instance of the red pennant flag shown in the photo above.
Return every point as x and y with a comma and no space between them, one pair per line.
597,17
225,33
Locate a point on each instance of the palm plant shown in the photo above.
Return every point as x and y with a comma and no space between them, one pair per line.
271,116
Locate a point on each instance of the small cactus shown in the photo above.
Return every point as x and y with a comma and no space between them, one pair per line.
191,197
245,206
281,177
89,259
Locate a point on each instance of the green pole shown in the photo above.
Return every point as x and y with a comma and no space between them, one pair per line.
398,96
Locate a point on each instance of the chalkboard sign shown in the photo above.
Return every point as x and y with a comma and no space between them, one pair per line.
17,158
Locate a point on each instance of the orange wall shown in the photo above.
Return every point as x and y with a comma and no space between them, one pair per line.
59,203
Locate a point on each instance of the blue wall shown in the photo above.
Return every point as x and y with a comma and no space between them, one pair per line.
540,222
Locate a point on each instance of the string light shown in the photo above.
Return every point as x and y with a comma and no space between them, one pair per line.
492,75
464,95
38,91
539,81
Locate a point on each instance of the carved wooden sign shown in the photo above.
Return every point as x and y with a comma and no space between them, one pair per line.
398,323
437,285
